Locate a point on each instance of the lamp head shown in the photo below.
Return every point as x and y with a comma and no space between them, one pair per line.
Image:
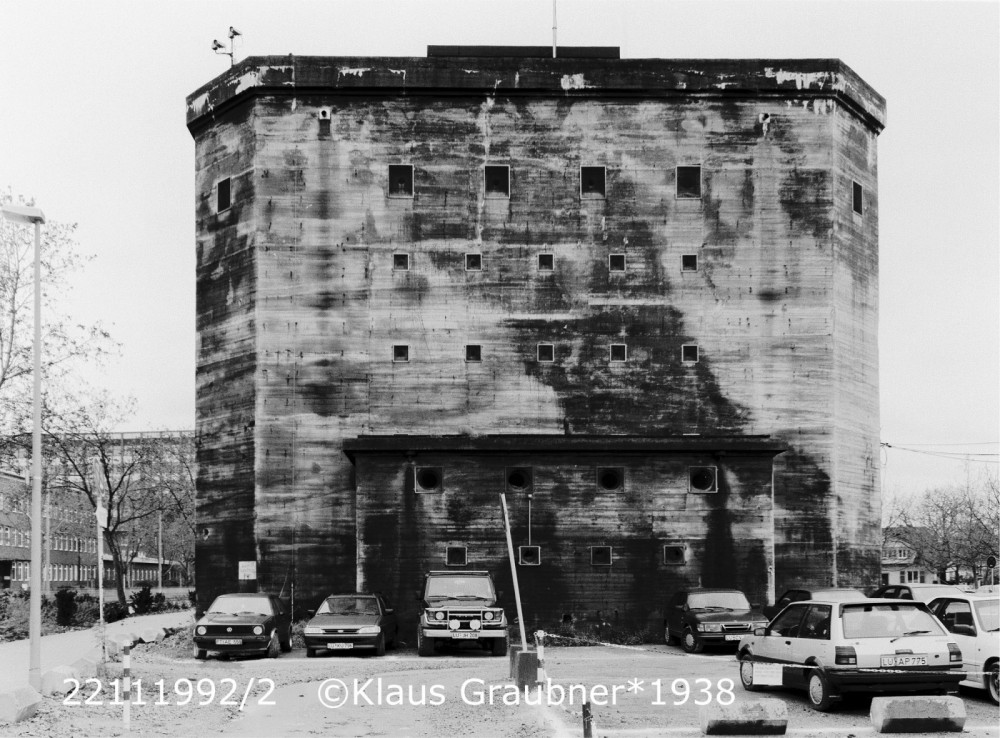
22,213
233,32
216,45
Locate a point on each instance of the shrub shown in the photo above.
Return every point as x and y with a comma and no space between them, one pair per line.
193,598
65,606
142,601
159,603
114,611
86,612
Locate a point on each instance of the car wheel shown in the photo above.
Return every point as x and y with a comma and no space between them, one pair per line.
425,646
993,682
273,646
692,643
200,653
380,645
500,645
746,674
821,697
668,638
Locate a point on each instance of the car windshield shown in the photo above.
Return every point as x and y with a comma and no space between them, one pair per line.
229,605
459,588
989,613
888,621
348,606
718,601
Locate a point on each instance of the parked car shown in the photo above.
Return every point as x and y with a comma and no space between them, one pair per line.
461,606
919,592
701,617
829,648
242,624
345,622
839,594
974,621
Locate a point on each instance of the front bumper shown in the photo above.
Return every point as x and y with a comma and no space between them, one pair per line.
896,680
720,638
341,641
249,644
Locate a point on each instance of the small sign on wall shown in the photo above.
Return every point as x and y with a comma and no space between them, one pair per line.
248,570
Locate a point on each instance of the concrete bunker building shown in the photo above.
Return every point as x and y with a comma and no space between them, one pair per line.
637,295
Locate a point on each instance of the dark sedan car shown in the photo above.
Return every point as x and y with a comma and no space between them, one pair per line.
244,624
918,592
700,617
352,621
835,594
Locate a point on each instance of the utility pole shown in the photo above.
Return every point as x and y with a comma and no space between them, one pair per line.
159,560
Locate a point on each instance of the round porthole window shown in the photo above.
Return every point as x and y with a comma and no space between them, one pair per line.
609,479
703,478
428,478
517,479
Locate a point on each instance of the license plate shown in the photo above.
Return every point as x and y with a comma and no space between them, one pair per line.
228,641
334,646
910,659
734,637
464,635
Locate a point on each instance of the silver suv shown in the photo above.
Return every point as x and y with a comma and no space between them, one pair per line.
461,606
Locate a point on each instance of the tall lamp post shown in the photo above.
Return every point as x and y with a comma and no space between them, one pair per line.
28,215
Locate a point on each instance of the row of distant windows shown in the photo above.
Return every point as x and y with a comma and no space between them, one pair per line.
496,184
673,555
546,262
521,479
20,571
22,538
546,352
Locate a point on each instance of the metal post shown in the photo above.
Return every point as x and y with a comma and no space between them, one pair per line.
513,572
159,562
588,721
100,570
553,29
35,603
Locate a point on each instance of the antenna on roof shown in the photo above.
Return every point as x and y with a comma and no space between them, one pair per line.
553,29
221,49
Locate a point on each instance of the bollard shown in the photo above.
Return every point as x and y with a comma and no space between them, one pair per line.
127,683
588,721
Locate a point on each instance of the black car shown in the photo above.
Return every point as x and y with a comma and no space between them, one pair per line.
345,622
839,594
700,617
919,592
244,624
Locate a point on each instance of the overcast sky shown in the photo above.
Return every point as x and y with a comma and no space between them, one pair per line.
92,100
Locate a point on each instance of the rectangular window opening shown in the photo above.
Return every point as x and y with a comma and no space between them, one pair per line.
546,352
600,555
616,262
858,199
456,556
473,352
401,352
400,180
546,262
689,182
619,352
529,555
401,262
224,195
675,554
592,182
497,180
689,262
473,262
689,353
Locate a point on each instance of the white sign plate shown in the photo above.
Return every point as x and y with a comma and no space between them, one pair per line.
767,675
248,570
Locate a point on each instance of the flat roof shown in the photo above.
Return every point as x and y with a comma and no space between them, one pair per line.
526,74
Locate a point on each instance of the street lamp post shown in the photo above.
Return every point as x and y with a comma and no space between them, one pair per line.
28,215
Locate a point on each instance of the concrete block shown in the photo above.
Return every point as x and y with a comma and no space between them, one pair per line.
918,714
152,635
525,669
18,704
60,680
512,652
86,667
753,717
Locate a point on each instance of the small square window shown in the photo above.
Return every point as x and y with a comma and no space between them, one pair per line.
529,555
546,352
600,555
546,262
401,352
610,478
401,262
689,181
400,180
224,194
675,554
473,352
619,352
428,479
592,181
858,199
497,181
703,479
616,262
689,262
689,353
473,262
456,556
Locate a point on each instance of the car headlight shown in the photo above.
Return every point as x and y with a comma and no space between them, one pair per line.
258,630
475,624
710,627
439,615
369,629
487,616
313,630
202,630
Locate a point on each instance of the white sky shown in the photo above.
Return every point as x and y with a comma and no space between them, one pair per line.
92,98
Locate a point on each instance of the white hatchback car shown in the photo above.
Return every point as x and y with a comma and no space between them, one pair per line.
974,622
865,645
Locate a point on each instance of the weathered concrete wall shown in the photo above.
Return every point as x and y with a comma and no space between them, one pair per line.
782,306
